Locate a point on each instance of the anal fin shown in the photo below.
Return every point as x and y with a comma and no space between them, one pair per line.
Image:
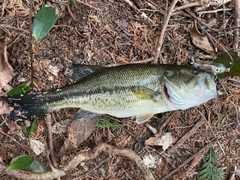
82,115
143,118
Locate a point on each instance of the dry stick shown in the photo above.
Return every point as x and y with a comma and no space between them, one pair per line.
160,41
25,149
89,5
110,150
193,164
189,5
188,160
170,117
30,45
186,136
236,24
50,141
3,8
142,14
12,27
213,11
70,11
78,159
19,174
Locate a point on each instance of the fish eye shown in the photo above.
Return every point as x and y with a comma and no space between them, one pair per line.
217,70
194,70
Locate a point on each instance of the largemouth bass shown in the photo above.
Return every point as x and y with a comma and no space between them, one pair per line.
139,90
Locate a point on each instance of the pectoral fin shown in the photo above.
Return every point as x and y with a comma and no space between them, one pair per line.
144,93
77,72
143,118
82,115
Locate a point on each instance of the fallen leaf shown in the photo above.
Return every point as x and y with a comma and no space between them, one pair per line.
46,66
6,70
200,40
78,132
61,127
165,141
37,146
4,108
151,161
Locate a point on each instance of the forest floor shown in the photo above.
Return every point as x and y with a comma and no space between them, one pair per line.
109,33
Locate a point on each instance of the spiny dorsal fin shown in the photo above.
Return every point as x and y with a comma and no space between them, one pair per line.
77,72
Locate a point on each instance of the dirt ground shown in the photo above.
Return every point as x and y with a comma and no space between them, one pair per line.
108,33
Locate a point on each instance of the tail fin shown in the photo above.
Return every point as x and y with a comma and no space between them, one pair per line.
26,106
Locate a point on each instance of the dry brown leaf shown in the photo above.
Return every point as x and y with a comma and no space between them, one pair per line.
165,141
78,132
37,146
4,109
200,40
6,70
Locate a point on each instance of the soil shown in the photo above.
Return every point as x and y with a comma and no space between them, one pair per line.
109,33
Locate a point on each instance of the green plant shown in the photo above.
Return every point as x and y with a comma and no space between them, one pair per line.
44,20
113,125
209,171
29,131
21,89
26,162
73,2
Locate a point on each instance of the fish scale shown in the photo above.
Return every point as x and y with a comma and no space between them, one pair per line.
140,90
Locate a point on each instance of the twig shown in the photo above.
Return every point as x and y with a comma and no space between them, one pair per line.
31,176
236,24
188,160
232,177
186,136
170,117
22,146
50,142
78,159
14,28
70,12
193,164
236,110
3,7
30,45
142,14
160,41
89,5
200,21
110,150
213,11
189,5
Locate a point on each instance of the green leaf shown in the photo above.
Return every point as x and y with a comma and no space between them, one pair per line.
230,60
73,2
223,120
21,89
44,20
20,162
32,129
36,167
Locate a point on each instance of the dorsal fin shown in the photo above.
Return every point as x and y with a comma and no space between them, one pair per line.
79,71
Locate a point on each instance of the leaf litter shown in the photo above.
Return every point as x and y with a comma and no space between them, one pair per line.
100,41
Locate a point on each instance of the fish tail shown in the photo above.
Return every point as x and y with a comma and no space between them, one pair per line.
27,106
